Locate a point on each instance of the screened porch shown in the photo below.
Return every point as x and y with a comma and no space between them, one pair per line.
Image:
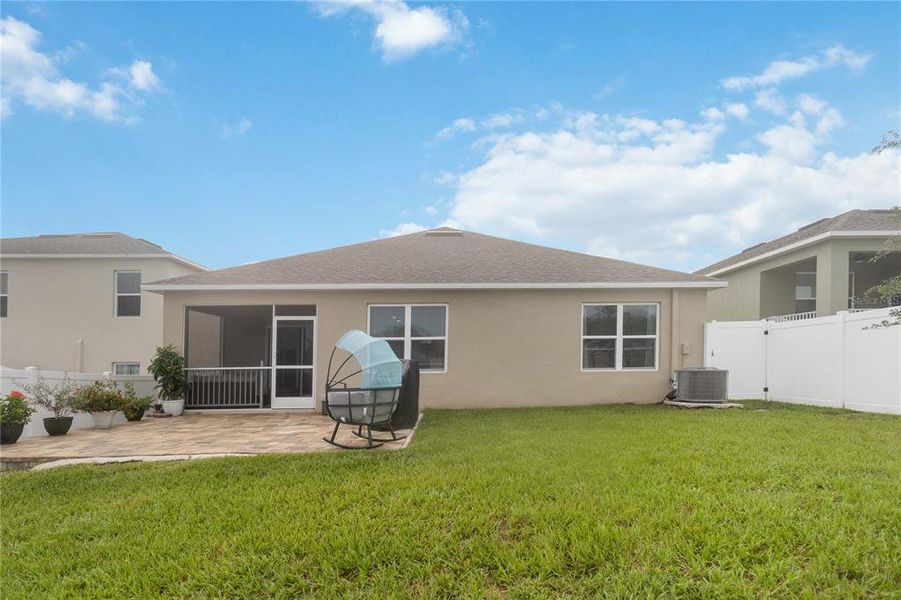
259,356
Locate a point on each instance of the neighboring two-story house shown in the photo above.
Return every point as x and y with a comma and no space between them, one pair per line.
818,270
74,302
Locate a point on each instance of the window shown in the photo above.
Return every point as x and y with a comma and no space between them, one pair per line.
619,337
128,293
4,293
805,291
126,368
414,331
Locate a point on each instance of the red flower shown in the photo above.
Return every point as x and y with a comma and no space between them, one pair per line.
16,394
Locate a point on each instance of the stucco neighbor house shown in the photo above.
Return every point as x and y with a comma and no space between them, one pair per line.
74,302
491,322
818,270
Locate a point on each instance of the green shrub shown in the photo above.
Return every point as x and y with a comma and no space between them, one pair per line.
168,369
14,409
132,404
100,396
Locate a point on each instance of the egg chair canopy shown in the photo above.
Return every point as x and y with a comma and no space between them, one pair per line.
379,366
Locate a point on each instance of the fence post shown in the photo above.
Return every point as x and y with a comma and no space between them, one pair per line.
33,374
764,324
843,352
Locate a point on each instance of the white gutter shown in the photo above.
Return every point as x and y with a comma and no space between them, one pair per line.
802,244
206,287
174,257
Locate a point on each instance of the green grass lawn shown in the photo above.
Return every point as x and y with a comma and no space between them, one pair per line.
614,501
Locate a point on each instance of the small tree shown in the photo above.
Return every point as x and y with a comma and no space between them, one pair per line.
59,399
168,369
892,286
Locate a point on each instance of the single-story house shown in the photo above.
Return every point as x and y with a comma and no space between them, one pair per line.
823,267
491,322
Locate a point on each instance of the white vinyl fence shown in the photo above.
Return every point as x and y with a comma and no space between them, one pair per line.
827,361
16,379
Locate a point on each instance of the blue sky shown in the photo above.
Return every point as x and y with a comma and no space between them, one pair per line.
669,134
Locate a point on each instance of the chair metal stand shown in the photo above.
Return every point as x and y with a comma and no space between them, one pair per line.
359,433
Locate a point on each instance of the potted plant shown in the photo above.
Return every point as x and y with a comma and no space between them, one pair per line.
58,399
133,406
102,399
14,415
168,369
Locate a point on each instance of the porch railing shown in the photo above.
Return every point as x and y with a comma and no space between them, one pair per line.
810,314
228,387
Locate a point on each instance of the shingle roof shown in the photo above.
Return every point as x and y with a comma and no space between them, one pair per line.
80,243
435,257
853,220
98,244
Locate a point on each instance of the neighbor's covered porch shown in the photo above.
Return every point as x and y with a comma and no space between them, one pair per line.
816,287
250,356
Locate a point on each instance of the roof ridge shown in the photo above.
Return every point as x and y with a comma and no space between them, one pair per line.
577,253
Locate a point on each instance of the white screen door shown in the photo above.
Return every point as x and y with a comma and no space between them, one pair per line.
293,359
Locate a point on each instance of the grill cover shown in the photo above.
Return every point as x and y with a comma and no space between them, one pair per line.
407,410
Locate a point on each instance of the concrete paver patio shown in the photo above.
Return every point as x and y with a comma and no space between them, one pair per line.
187,436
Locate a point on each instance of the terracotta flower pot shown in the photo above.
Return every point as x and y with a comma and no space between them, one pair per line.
57,425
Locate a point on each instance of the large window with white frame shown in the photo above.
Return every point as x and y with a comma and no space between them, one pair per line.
128,293
4,293
620,337
414,331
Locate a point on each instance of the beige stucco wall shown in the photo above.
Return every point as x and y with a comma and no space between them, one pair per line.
505,347
741,299
62,313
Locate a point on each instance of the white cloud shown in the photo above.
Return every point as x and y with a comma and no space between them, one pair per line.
462,124
793,143
652,190
33,77
810,104
402,229
500,120
143,77
444,178
738,110
770,100
236,129
402,31
780,70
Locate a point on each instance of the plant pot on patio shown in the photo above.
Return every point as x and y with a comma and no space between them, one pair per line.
174,407
57,425
58,399
103,399
10,434
168,369
103,419
134,416
15,412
